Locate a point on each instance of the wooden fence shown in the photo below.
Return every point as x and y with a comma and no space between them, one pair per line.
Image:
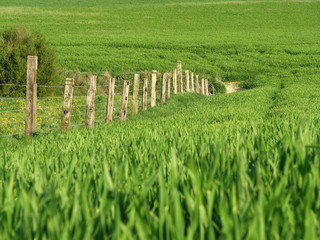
171,82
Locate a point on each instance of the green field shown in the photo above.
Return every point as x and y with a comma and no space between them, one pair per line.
239,40
238,166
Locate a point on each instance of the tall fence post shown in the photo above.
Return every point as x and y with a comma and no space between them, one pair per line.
187,80
197,84
169,86
67,104
180,81
163,88
125,94
110,100
192,82
31,95
90,101
202,86
174,79
135,103
207,87
153,88
145,94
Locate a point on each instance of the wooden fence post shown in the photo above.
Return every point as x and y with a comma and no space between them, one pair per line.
207,87
67,104
169,86
192,82
135,103
187,80
110,100
125,94
145,94
90,101
174,79
202,86
163,89
153,88
180,81
31,95
197,84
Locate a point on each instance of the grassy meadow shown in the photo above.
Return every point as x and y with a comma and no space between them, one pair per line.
238,166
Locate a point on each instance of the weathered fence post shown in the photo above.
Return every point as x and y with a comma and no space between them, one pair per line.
187,80
145,94
180,81
135,103
169,86
207,87
90,101
110,100
153,88
202,86
31,95
163,89
125,95
197,84
192,82
67,104
174,79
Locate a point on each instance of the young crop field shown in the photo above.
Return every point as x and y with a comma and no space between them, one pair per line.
239,166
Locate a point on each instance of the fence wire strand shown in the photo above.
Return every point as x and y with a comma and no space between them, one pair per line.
20,110
13,85
16,98
50,97
11,123
12,134
48,108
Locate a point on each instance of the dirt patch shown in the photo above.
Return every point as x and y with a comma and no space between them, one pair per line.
233,87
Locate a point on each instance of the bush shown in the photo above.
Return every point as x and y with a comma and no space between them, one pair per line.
15,45
217,84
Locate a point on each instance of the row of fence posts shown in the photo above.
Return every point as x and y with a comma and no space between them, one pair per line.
177,81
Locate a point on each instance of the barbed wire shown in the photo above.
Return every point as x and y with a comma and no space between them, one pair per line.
13,85
100,103
11,123
75,106
79,96
15,98
54,97
77,114
12,134
48,118
116,113
50,108
20,110
48,86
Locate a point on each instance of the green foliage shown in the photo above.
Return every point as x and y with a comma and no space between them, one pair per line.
16,45
217,84
197,167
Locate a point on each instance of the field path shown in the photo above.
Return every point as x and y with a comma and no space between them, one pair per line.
233,87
